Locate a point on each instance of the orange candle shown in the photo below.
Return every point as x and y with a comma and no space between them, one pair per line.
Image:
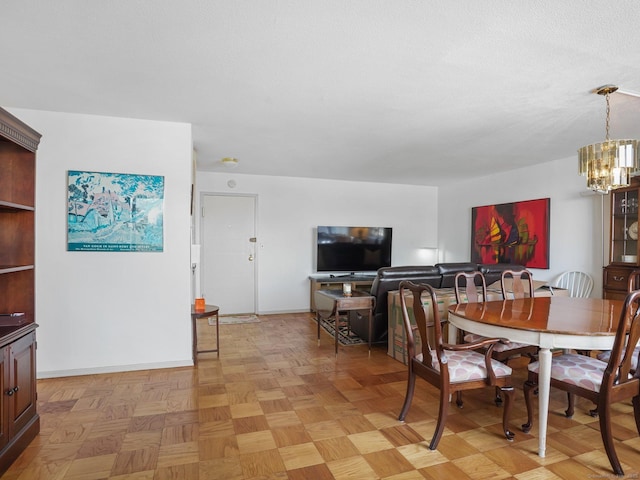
199,304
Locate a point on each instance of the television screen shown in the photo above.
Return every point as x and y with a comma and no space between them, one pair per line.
353,249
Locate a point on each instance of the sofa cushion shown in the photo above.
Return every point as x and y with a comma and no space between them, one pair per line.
408,272
448,271
493,271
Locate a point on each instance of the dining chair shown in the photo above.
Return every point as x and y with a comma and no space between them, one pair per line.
578,284
471,287
516,284
452,368
632,285
604,383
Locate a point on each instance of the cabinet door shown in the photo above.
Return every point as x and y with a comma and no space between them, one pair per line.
21,391
624,226
4,398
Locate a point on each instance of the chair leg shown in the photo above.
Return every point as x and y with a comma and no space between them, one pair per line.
508,394
529,385
636,411
570,405
459,398
411,383
498,399
442,416
607,438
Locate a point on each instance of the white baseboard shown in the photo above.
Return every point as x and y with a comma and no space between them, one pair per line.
280,312
113,369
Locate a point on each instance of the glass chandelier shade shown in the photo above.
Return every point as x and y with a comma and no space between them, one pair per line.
610,164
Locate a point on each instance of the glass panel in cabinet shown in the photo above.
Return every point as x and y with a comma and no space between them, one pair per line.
624,227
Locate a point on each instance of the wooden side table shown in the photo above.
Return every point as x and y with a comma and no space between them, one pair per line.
208,312
330,303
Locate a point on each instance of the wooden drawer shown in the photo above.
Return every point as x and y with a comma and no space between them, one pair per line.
615,295
616,278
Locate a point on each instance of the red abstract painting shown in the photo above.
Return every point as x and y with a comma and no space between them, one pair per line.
516,233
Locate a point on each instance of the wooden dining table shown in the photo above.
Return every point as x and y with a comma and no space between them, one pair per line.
566,323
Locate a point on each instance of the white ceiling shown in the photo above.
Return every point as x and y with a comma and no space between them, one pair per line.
416,92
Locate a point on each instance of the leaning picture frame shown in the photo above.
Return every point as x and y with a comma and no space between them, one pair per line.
114,212
516,233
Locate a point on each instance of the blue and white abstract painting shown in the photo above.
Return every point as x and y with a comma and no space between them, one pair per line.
114,212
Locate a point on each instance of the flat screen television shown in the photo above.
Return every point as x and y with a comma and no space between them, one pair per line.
353,249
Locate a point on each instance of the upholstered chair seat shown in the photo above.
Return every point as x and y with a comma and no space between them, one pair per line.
467,365
604,356
580,370
500,347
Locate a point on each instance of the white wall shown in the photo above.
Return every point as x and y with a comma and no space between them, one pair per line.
101,311
290,208
575,218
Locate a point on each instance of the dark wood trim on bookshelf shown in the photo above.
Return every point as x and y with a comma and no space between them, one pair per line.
18,132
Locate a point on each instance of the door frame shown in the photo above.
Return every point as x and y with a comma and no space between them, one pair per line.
256,259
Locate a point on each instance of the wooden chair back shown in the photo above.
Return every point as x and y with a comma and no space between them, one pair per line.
632,285
466,286
619,377
516,284
430,332
634,281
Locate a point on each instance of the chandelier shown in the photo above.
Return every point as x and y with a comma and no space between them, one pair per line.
610,164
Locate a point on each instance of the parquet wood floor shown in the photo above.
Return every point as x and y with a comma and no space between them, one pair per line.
275,405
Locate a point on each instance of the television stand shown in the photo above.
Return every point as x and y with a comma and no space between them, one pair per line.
359,282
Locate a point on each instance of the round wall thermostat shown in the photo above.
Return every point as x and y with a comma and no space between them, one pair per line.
231,183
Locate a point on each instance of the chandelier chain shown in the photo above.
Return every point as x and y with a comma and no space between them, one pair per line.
608,110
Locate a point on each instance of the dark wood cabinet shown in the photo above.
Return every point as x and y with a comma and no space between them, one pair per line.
615,281
19,420
624,247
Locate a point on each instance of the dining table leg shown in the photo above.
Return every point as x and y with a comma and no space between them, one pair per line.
544,388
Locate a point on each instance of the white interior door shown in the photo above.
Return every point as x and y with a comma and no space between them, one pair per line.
229,253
